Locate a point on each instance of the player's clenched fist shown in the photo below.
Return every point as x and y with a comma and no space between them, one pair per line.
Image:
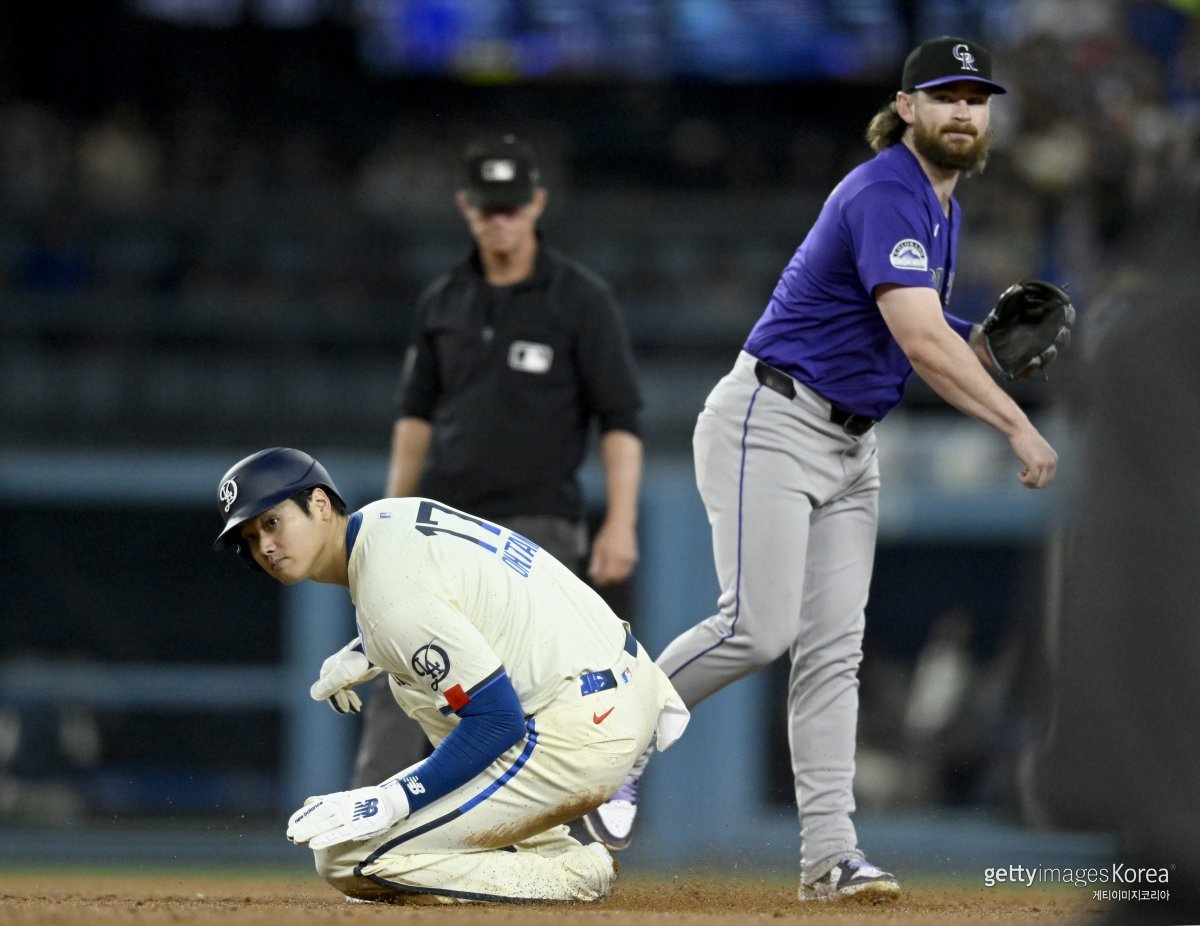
346,816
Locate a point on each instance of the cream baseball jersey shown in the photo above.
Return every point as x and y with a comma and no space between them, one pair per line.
447,602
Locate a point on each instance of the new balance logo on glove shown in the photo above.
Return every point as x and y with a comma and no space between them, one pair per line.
364,809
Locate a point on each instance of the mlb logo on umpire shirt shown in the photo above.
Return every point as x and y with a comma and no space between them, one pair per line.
529,357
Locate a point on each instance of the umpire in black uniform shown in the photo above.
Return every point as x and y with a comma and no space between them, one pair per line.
514,353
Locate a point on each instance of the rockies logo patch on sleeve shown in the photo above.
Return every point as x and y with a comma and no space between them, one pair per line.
909,254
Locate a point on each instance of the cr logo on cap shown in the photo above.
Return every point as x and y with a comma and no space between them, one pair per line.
962,53
227,493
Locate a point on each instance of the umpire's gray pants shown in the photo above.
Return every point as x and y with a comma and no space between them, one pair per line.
793,505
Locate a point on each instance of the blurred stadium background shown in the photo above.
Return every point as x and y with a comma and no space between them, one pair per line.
215,216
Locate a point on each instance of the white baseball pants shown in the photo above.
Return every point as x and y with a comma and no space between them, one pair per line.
501,837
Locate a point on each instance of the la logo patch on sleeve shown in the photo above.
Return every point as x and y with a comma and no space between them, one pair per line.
909,254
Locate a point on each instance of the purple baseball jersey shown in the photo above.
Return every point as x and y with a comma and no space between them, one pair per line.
882,224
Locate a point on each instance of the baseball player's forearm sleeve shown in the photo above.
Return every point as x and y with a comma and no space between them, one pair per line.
491,721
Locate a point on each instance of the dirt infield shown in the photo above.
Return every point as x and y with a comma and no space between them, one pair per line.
179,899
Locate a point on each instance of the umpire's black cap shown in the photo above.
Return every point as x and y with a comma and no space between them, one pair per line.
502,173
947,60
261,481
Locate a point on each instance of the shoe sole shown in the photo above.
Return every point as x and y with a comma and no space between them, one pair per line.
873,892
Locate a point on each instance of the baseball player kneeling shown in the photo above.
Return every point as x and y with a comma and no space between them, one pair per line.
534,693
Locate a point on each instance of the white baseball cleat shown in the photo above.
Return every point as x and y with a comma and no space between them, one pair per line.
852,879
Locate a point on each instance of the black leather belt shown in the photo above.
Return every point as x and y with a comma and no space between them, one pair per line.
591,682
778,381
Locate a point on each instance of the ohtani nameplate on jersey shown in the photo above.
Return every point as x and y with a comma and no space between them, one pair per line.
529,357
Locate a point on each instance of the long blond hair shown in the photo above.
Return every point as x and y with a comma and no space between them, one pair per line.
886,128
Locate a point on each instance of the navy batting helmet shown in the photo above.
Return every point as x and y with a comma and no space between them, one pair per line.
261,481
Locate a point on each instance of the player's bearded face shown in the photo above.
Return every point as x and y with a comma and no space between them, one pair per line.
954,143
952,147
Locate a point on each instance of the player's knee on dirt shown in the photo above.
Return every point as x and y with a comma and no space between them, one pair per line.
337,866
357,887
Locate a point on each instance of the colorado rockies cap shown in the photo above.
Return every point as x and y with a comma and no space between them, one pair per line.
501,173
947,60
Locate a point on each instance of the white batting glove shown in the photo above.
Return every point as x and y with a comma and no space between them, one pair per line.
346,816
345,701
343,670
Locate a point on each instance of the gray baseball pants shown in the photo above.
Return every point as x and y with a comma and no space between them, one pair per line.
793,504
